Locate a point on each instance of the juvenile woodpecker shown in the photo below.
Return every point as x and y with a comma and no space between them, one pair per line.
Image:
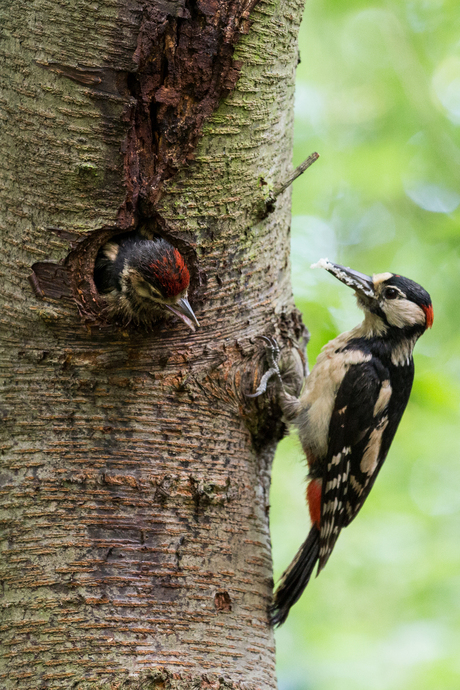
348,412
143,280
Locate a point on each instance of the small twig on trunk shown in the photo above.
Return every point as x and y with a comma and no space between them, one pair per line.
297,172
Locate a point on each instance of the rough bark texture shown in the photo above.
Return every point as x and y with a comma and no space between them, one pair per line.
134,471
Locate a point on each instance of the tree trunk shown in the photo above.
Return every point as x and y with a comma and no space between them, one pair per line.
135,472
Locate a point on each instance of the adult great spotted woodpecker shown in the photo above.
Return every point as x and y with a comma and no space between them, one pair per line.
143,279
348,412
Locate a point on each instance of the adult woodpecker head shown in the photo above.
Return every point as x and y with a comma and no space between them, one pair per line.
390,301
144,280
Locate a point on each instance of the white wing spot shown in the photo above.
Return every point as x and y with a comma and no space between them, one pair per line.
370,458
356,486
383,399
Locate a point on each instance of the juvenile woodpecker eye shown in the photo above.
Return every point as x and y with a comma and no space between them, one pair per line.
391,293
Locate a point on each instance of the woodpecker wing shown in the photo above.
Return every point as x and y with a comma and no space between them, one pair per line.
355,451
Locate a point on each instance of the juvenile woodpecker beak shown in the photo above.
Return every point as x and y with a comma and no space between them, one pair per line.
360,282
184,311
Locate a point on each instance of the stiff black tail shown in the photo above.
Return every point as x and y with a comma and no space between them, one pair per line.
295,578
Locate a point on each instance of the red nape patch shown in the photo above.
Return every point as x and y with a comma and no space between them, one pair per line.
429,315
314,501
171,272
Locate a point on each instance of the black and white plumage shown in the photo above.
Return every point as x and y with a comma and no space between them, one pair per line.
143,279
348,412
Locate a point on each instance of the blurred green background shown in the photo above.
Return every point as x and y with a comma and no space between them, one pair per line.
378,96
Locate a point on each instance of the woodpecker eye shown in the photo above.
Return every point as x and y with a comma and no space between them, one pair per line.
391,293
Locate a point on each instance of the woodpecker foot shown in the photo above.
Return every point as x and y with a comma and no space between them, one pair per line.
272,351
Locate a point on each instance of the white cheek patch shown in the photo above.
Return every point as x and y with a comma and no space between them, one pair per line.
403,312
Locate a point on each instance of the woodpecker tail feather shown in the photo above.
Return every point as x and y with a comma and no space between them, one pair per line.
295,578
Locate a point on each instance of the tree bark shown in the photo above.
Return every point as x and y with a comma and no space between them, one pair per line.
135,472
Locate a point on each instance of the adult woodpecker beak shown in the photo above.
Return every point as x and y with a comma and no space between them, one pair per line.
184,311
360,282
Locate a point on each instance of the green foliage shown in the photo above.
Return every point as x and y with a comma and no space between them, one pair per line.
379,98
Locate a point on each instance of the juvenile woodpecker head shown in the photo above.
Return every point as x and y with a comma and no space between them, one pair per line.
390,301
144,280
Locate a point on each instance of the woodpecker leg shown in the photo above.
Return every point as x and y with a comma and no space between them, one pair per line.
272,351
289,403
